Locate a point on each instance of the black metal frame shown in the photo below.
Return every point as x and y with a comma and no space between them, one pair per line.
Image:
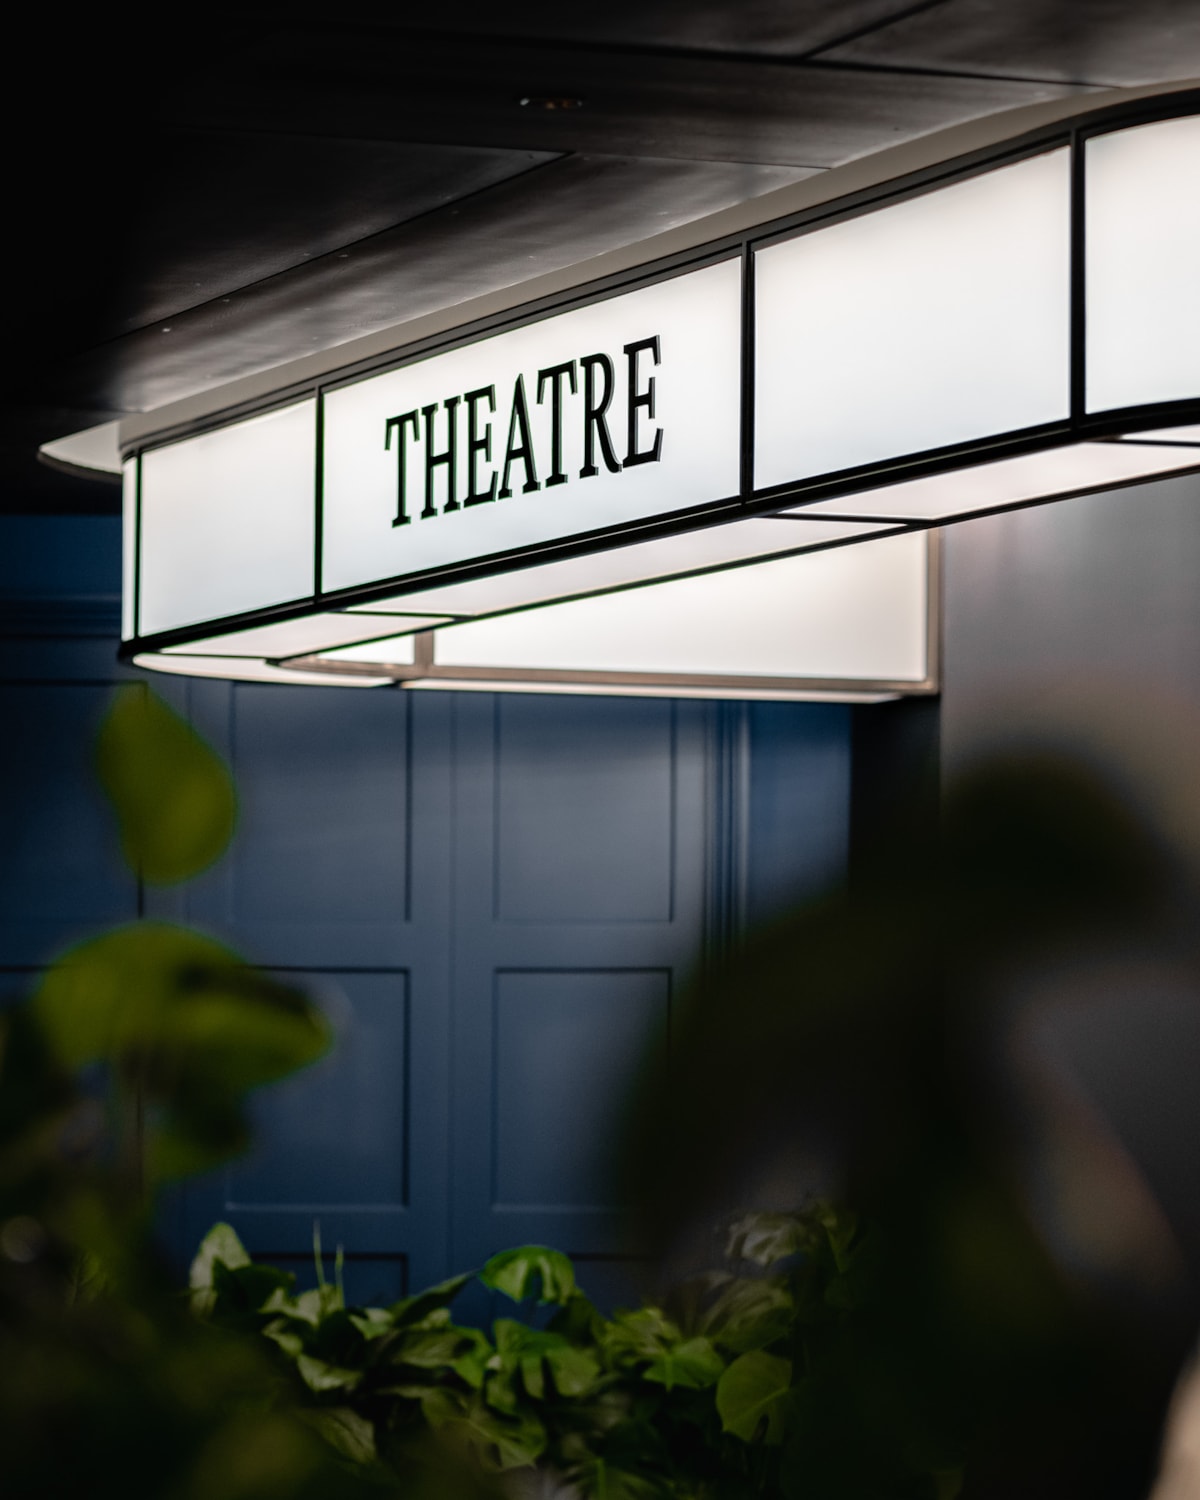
1078,426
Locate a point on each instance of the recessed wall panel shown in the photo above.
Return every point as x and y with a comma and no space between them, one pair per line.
323,834
584,810
568,1046
228,520
933,321
61,874
337,1133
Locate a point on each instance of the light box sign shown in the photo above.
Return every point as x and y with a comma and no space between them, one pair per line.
621,411
997,329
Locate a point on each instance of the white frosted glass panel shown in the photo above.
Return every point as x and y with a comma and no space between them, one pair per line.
245,669
227,520
933,321
1166,435
128,545
1011,481
1143,250
625,690
712,547
396,612
292,637
696,405
854,612
397,650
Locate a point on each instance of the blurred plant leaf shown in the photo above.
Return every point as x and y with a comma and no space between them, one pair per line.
414,1309
174,799
220,1246
764,1238
693,1363
347,1433
752,1396
498,1442
531,1271
746,1314
183,1020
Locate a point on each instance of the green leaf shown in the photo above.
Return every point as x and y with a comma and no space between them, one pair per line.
574,1371
472,1366
319,1375
285,1336
372,1322
748,1313
222,1245
531,1270
533,1377
429,1350
500,1391
414,1309
347,1433
752,1396
600,1480
173,797
499,1442
642,1334
186,1019
765,1238
311,1307
529,1350
840,1228
694,1364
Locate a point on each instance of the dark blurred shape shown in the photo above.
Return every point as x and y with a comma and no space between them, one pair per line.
1027,1317
132,1063
173,798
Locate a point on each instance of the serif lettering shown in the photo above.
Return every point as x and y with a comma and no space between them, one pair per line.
477,447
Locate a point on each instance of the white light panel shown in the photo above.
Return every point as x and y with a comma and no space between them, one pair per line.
937,320
246,669
633,690
849,613
228,520
666,557
1073,469
296,637
1143,250
128,545
1165,435
396,650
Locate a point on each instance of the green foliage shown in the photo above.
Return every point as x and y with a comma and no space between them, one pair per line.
752,1396
173,797
892,1039
531,1271
187,1026
130,1065
716,1394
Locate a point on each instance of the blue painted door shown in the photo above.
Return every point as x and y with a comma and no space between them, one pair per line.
497,898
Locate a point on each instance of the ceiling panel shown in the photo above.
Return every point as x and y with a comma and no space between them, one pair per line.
779,28
382,86
1100,41
573,208
224,209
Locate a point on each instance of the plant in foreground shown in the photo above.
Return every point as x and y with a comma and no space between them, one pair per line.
725,1390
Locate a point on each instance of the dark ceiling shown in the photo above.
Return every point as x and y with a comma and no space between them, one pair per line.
195,204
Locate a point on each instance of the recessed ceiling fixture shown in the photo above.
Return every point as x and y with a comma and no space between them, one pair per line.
664,466
550,101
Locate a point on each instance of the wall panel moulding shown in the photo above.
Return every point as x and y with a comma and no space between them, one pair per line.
708,465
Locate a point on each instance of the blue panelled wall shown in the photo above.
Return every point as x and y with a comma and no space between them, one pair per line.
497,898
